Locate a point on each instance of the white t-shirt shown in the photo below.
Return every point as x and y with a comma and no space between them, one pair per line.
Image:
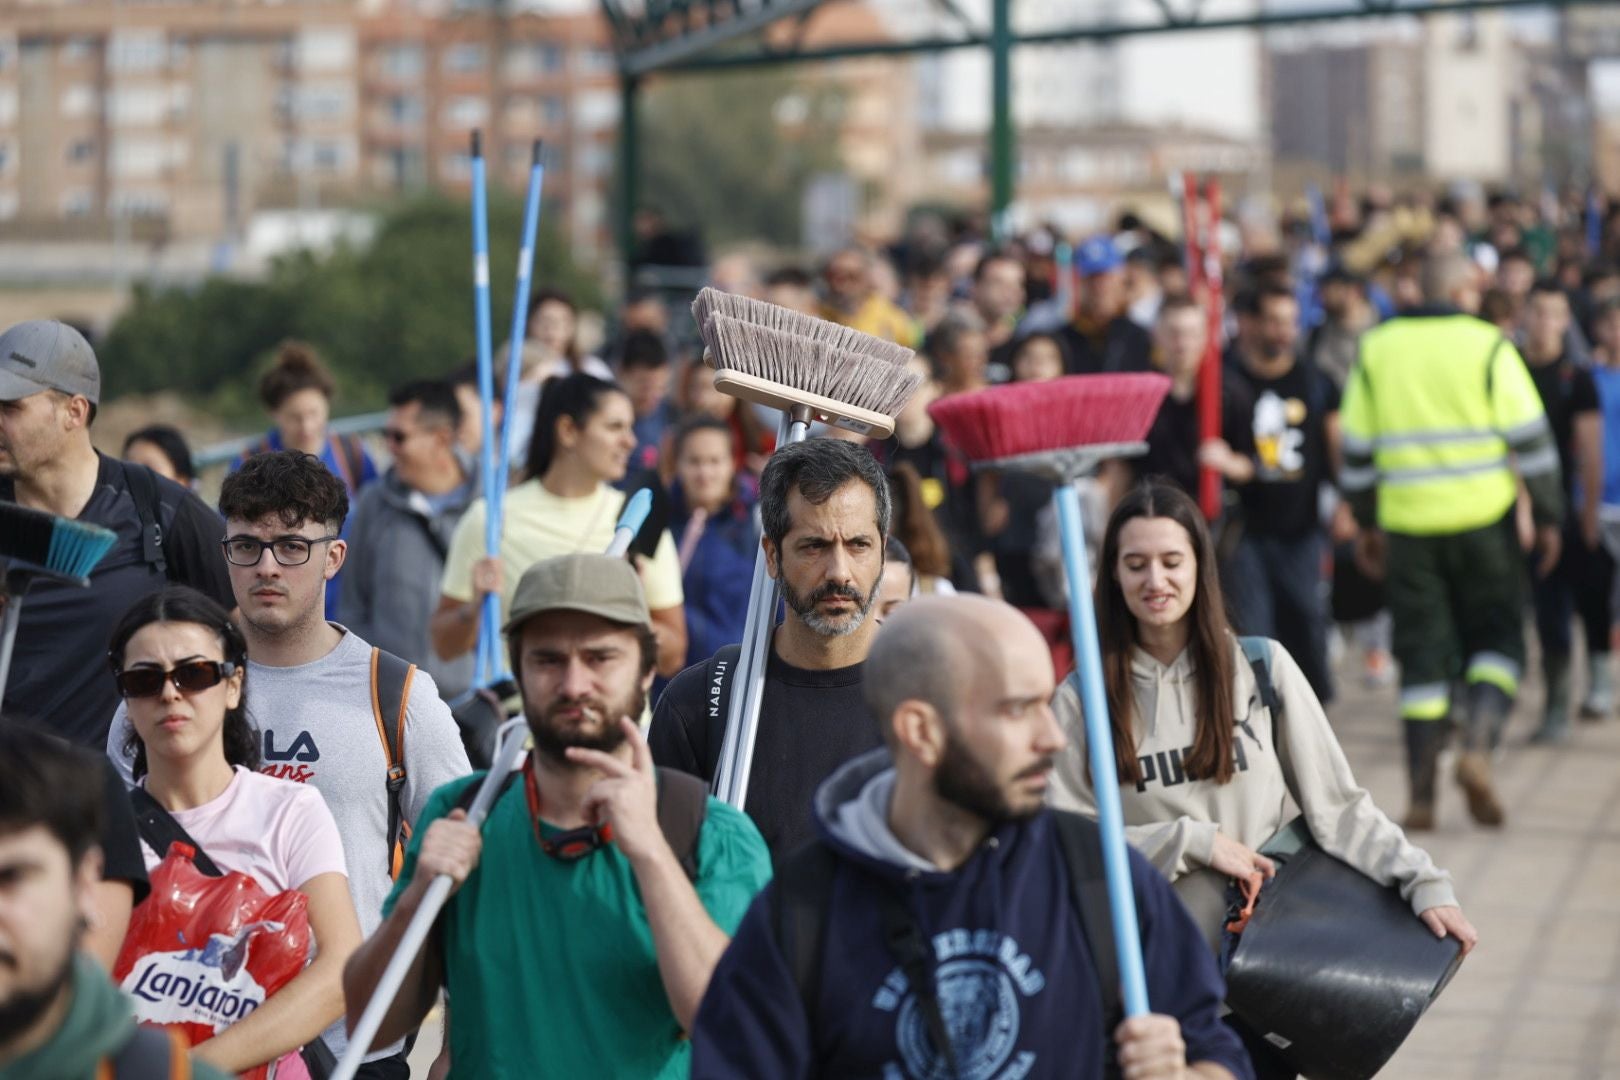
276,832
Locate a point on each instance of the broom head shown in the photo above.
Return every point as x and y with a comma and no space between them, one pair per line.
711,302
1051,426
857,391
32,540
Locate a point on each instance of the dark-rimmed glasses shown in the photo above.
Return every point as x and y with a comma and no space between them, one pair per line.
191,677
287,550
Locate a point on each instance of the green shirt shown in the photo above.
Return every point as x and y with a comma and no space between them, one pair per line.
551,964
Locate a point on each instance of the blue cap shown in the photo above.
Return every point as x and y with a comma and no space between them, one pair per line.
1098,256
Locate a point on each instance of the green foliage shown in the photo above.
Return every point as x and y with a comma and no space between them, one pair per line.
401,308
731,154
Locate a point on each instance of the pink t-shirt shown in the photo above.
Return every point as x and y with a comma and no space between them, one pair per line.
275,831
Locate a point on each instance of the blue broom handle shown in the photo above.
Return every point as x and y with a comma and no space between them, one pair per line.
1100,744
489,626
520,324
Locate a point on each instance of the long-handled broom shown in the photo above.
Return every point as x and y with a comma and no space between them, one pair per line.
1061,430
38,546
510,744
811,370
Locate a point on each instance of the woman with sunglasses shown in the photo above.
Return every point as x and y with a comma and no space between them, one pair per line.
181,665
1206,774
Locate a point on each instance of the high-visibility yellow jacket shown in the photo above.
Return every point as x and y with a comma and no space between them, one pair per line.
1436,414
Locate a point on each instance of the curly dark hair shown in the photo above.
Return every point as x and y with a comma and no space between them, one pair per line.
182,604
291,484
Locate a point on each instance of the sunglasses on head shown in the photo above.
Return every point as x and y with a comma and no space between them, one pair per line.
191,677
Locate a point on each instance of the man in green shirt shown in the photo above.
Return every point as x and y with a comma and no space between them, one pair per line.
60,1017
576,943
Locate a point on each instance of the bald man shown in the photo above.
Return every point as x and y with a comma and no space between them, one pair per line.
939,867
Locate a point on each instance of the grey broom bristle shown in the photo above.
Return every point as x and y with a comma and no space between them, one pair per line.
815,366
711,302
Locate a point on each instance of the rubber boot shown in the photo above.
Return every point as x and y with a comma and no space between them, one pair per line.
1424,741
1488,708
1555,710
1599,701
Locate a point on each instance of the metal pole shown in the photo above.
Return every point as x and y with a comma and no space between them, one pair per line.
629,167
1002,150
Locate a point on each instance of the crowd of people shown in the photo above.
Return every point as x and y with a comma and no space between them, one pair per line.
1419,438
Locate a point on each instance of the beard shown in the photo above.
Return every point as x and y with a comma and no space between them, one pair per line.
22,1010
964,782
830,625
597,728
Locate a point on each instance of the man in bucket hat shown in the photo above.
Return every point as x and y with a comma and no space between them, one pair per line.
50,385
590,913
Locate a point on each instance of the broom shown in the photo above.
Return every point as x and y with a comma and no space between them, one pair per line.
510,745
37,545
1061,430
811,370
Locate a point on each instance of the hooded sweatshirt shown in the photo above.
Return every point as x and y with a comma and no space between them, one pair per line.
1016,983
97,1025
1173,819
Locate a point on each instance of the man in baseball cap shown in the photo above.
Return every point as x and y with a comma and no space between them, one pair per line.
594,903
50,386
1101,336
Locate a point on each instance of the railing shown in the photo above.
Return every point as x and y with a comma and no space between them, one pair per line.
223,453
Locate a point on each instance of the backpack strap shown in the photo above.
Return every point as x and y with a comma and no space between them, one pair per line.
350,459
722,665
150,1053
1081,843
916,956
683,804
1257,651
143,489
799,901
390,695
159,829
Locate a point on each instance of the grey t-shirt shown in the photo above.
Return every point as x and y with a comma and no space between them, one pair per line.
318,728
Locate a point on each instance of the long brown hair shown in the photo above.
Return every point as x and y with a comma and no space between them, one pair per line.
1210,640
915,526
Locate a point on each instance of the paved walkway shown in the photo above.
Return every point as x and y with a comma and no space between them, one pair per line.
1540,998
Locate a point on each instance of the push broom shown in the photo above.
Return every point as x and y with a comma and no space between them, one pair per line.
810,370
38,546
511,744
1062,430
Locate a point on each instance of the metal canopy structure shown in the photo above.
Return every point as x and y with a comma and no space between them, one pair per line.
681,36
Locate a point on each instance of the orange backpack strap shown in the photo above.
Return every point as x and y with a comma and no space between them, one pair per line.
152,1053
391,680
350,458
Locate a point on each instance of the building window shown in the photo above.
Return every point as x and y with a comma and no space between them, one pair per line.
8,106
402,61
8,52
78,100
80,151
405,109
326,50
328,156
137,51
332,101
464,58
466,112
457,166
77,50
77,203
543,58
596,110
553,111
596,61
10,203
5,156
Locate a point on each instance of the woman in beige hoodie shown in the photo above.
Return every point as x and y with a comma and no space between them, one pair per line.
1206,774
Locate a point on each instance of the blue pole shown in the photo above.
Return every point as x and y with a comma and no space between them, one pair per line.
1100,746
520,322
489,627
1594,222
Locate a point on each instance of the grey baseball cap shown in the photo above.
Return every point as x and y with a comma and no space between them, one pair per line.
595,584
43,354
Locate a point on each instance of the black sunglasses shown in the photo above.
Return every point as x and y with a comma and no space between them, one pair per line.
191,677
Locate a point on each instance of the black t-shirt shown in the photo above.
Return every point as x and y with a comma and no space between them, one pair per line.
1566,391
950,491
120,839
60,679
1173,440
810,723
1286,435
1121,346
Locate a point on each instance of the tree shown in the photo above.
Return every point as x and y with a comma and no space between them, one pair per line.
400,308
730,154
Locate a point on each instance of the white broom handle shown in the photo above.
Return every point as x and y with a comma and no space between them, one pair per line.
748,681
509,752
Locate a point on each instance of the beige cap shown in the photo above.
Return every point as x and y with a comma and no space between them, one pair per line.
595,584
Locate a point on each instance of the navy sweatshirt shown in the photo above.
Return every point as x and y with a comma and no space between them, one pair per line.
1017,986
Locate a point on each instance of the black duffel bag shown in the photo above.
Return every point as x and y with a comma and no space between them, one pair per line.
1333,969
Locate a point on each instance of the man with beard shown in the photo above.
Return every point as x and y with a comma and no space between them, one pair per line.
931,931
59,1016
824,506
576,943
315,687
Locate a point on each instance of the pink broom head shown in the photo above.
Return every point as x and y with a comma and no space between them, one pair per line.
1067,414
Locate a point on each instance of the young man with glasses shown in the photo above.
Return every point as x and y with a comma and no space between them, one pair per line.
593,904
401,529
49,386
312,681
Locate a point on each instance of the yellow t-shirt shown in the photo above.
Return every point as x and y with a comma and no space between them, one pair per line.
540,525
